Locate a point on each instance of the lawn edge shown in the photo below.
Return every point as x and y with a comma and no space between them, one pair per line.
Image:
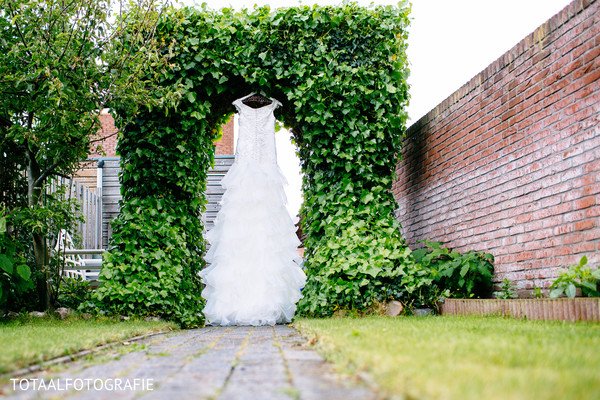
363,377
73,357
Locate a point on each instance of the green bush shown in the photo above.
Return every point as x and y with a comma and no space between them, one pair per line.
463,275
439,273
15,274
581,276
17,256
72,293
415,288
153,267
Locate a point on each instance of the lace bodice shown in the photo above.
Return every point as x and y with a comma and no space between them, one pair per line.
256,134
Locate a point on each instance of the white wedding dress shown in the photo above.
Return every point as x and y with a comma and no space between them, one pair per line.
254,277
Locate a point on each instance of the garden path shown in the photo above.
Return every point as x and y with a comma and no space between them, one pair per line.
215,363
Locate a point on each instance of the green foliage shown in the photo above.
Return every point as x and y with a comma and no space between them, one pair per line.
72,293
157,243
362,264
507,290
439,273
54,213
340,73
15,274
416,287
583,277
464,275
153,267
537,293
62,63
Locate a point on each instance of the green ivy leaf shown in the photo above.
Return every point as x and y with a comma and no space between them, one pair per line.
24,271
191,96
6,264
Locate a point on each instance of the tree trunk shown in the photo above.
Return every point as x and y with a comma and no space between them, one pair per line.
40,250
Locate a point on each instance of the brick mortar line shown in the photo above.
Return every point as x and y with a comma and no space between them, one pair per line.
187,340
214,342
167,350
288,373
235,363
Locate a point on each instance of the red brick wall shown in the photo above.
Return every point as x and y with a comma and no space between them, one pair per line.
109,144
225,145
510,163
108,133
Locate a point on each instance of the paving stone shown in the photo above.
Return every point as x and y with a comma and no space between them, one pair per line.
216,363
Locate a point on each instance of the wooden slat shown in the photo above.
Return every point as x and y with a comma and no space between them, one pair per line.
89,204
212,207
111,190
85,251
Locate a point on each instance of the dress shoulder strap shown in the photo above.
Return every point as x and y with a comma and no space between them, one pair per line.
275,103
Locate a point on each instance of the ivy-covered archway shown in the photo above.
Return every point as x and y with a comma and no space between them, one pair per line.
340,73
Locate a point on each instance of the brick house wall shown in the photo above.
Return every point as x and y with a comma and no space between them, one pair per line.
108,134
224,146
510,163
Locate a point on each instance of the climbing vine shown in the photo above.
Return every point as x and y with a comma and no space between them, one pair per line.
340,73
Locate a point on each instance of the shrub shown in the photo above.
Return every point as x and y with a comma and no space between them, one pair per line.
583,277
415,287
15,274
438,273
72,293
463,275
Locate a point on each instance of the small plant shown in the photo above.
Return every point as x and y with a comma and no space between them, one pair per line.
72,293
507,290
537,293
416,289
464,275
582,277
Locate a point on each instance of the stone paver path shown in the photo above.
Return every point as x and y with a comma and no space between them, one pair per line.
216,363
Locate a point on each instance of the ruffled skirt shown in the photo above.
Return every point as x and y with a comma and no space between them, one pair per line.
254,277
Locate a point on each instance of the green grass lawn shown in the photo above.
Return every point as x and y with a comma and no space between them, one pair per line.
465,358
27,341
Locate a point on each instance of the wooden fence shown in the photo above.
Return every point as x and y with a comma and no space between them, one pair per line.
101,175
214,190
562,309
90,231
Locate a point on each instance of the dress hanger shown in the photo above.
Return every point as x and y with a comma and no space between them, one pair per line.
256,100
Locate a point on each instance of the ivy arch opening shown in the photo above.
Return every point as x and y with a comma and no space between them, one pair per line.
340,74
